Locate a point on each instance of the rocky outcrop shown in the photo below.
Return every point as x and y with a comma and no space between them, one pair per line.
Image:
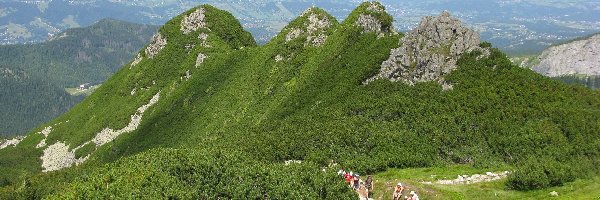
45,132
204,40
375,7
200,59
475,178
429,52
293,34
158,43
193,21
314,29
278,58
108,134
580,57
57,156
369,23
137,60
369,19
11,142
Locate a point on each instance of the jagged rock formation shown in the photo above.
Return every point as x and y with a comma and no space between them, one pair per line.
368,23
577,57
193,21
314,29
429,51
372,19
158,43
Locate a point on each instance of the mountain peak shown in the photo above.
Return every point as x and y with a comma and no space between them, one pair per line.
193,21
372,17
429,51
312,27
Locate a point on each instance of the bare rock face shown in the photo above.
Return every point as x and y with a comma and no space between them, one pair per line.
369,23
578,57
429,51
58,156
314,29
158,43
193,21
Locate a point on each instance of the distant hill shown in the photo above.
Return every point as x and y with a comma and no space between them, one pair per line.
575,61
34,76
203,112
516,27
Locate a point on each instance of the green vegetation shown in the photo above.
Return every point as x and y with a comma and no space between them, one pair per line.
416,178
34,76
186,174
585,80
309,106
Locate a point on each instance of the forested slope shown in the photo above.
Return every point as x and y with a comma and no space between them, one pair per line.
203,105
36,93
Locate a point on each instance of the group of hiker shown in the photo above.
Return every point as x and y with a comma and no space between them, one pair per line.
353,180
399,189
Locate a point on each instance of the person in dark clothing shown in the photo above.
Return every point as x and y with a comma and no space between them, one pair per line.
356,182
369,186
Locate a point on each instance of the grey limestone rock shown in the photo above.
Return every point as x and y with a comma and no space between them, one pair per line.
429,52
314,29
137,60
293,34
375,7
158,43
200,59
369,23
578,57
193,21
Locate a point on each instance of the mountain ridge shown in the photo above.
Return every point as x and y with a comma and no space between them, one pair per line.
292,100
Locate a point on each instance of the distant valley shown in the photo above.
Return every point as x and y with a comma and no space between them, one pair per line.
34,76
204,112
513,26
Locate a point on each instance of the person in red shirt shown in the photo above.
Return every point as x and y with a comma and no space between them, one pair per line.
348,177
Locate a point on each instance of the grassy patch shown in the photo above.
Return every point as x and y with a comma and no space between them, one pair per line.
413,179
85,150
78,92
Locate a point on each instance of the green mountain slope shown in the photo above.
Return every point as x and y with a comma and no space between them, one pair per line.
74,57
203,105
